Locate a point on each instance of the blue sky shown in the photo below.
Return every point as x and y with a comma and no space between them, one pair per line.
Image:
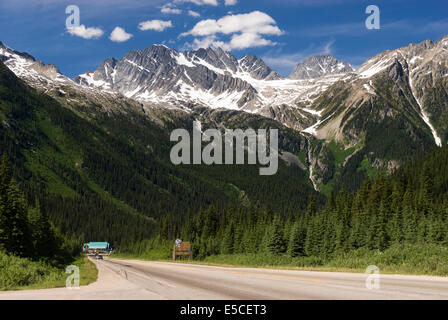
282,32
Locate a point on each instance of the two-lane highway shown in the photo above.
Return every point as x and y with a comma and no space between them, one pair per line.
180,281
131,279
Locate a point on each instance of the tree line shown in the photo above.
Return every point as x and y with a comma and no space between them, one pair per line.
25,229
407,207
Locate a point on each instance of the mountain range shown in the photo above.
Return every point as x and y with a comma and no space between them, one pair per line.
318,66
162,76
349,122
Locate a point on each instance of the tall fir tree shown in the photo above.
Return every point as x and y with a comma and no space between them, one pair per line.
276,243
296,241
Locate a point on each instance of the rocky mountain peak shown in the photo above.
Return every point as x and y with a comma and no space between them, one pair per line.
257,68
158,74
318,66
7,53
27,67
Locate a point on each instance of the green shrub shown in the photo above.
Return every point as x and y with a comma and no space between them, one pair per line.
417,259
405,259
18,272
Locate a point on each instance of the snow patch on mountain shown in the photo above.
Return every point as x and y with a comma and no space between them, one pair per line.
425,116
213,78
373,67
319,66
26,67
89,79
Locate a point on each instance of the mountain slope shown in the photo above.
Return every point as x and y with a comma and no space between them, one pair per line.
159,71
160,76
319,66
105,172
350,124
392,108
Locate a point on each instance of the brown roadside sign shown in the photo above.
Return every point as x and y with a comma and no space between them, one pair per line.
182,249
184,246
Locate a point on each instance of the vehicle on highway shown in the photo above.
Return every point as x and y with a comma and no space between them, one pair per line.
94,248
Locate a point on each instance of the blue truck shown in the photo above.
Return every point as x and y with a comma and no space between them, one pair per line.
97,248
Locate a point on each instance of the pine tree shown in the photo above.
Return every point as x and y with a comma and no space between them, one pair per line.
395,227
43,236
409,224
238,239
17,232
311,236
356,236
228,240
311,208
15,237
297,241
5,180
435,232
380,236
329,236
276,244
5,175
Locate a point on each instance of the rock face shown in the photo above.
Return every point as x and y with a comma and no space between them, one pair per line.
379,116
48,80
25,66
161,77
258,69
214,78
159,73
410,81
318,66
375,118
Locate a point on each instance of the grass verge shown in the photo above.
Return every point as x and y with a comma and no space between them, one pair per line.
400,259
20,273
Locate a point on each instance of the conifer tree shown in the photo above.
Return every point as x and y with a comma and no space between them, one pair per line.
311,208
380,235
276,244
296,241
43,236
311,235
16,229
5,179
228,240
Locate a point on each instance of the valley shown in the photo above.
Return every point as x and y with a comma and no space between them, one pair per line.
94,152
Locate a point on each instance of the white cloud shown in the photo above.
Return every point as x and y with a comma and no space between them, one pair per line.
156,25
120,35
168,9
200,2
254,22
249,40
238,42
86,33
204,28
194,14
205,42
230,2
246,31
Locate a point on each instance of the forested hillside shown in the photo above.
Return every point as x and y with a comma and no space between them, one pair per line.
32,250
102,174
107,176
403,215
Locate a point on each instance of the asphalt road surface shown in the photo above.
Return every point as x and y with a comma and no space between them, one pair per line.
129,279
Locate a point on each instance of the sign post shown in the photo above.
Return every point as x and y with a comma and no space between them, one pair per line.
182,249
